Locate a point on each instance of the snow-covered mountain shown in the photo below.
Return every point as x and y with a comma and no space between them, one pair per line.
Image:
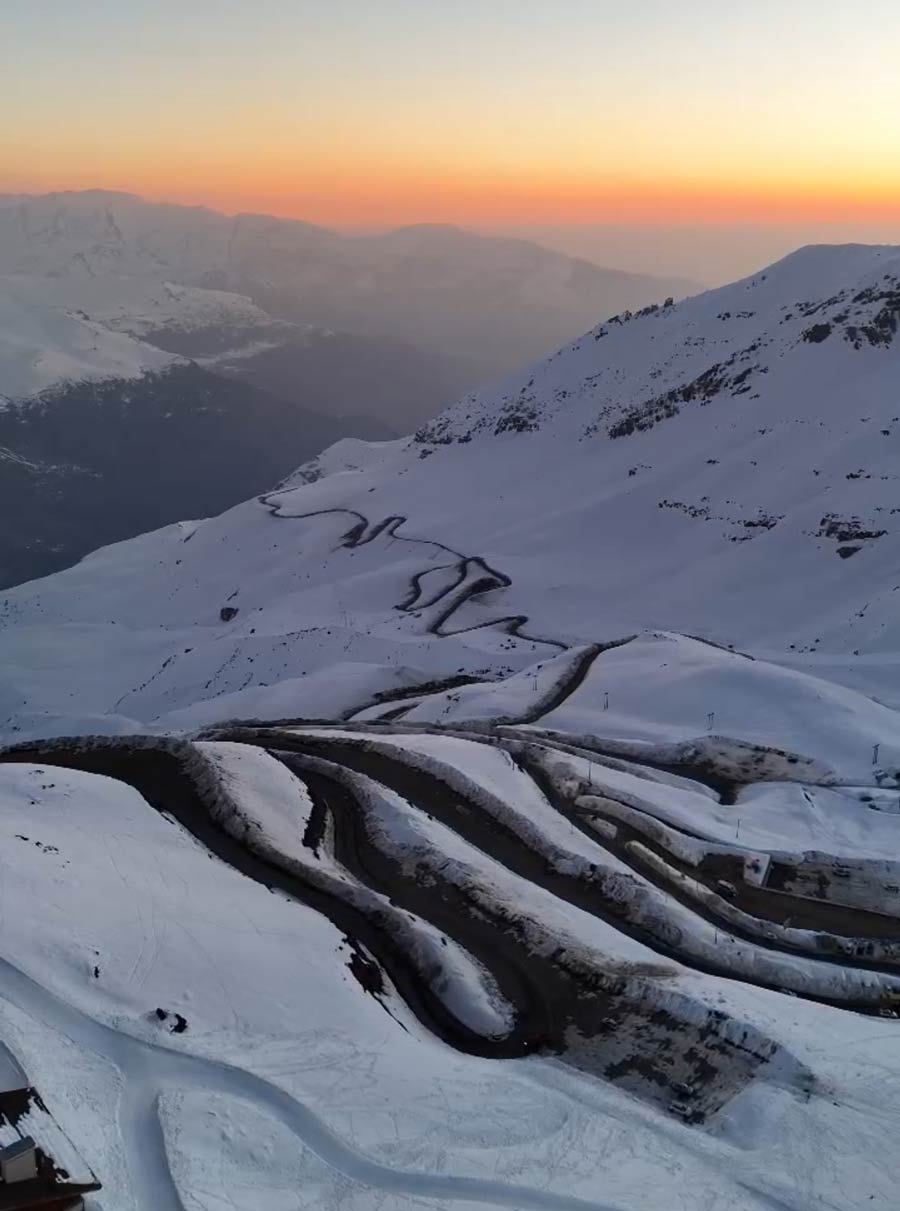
486,304
318,337
336,374
726,466
504,816
44,346
106,435
151,310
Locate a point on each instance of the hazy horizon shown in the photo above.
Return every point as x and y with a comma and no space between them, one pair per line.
502,116
710,255
707,255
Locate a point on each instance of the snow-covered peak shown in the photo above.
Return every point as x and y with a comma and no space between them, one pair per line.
98,233
141,306
490,302
43,347
635,370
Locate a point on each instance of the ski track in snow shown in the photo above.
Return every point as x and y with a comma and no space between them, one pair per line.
148,1070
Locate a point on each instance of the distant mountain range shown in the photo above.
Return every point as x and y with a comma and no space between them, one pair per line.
197,358
488,303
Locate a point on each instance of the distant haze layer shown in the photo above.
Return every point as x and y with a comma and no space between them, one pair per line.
712,253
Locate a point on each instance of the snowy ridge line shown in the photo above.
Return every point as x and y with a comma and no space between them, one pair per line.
570,669
499,735
459,592
409,696
534,740
388,700
96,743
721,764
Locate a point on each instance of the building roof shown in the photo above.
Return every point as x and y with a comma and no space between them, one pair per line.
62,1172
18,1147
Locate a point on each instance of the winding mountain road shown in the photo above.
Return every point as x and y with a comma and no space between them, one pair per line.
473,575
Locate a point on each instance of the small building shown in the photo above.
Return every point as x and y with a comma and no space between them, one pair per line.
40,1169
18,1161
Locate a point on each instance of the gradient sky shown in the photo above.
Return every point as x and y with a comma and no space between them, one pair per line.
483,112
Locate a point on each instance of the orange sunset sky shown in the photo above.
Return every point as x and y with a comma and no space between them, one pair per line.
359,113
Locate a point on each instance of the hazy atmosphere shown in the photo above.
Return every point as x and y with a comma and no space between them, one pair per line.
449,583
707,252
686,127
